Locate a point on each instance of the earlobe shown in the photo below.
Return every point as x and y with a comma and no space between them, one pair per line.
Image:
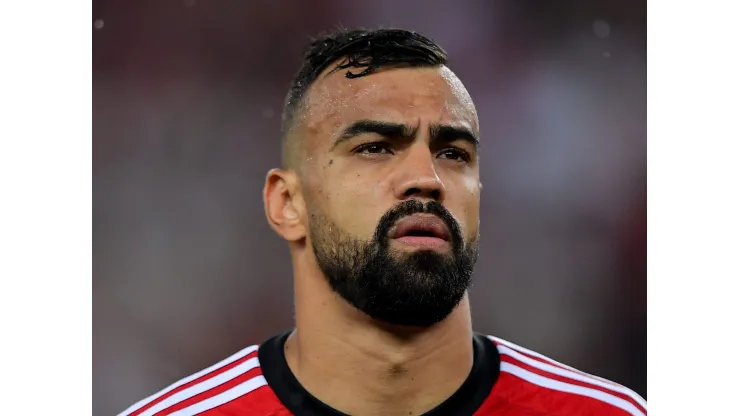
282,202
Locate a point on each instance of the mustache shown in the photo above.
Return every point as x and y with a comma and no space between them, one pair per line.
411,207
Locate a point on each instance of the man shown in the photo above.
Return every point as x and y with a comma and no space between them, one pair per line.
378,200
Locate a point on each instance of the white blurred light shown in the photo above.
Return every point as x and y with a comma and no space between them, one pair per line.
601,28
99,24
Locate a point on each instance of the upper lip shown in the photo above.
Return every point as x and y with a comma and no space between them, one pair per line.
426,223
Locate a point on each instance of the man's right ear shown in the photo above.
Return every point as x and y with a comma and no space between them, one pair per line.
284,205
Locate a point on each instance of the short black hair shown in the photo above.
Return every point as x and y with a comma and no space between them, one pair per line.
358,48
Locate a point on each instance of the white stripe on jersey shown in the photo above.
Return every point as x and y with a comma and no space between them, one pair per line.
141,403
570,374
636,397
223,398
571,388
205,385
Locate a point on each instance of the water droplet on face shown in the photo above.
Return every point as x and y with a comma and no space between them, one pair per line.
601,28
99,23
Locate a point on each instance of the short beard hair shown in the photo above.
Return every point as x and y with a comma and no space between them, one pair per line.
418,289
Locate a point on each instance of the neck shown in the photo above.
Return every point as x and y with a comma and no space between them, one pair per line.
359,366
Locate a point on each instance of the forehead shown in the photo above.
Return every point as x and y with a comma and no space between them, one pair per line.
402,95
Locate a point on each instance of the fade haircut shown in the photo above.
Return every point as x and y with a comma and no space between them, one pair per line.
366,50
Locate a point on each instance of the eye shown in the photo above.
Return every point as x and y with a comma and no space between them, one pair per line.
377,148
456,154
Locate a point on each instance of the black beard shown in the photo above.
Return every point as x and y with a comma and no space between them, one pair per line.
419,289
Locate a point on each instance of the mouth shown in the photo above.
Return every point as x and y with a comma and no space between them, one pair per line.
422,231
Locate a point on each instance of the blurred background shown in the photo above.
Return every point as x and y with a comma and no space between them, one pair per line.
187,96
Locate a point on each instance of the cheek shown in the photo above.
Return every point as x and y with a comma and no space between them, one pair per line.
471,189
357,205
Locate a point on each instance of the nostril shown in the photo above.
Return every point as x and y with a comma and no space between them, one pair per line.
418,192
411,192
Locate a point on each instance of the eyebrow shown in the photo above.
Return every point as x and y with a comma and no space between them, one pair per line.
446,133
438,132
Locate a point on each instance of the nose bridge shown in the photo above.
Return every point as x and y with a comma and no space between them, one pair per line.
421,161
419,177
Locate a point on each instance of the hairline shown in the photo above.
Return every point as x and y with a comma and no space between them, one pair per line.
290,129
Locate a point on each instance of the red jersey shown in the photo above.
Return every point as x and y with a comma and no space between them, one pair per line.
506,380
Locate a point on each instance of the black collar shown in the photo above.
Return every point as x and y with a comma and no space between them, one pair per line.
465,401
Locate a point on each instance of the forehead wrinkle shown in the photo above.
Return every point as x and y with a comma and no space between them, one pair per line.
334,100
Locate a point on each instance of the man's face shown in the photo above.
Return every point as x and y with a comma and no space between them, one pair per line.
392,189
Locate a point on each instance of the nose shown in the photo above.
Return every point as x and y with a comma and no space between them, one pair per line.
418,176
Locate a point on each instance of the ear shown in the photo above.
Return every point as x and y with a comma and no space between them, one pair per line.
284,205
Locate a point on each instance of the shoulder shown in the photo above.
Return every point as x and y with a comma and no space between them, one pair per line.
236,377
533,380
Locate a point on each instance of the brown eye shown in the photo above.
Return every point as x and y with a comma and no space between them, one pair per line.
373,149
455,154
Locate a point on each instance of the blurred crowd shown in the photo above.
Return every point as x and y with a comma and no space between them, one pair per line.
187,96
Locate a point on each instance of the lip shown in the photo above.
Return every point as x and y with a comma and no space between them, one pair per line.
406,229
423,243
